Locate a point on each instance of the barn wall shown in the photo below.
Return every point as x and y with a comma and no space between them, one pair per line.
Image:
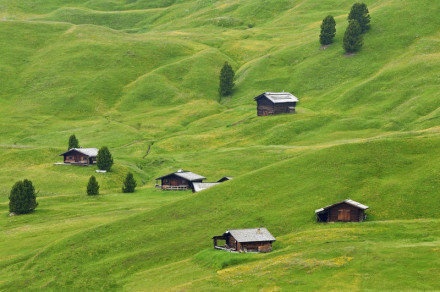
76,157
257,246
173,181
356,215
266,107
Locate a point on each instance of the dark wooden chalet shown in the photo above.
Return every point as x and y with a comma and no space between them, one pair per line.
179,181
245,240
80,156
345,211
274,103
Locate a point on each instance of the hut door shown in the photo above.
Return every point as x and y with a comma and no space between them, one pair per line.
343,215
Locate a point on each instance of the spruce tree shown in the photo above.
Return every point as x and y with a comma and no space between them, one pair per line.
328,30
73,142
22,198
92,187
360,13
104,159
129,184
226,80
352,37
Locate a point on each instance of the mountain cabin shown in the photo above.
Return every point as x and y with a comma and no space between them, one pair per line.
274,103
80,156
245,240
180,180
345,211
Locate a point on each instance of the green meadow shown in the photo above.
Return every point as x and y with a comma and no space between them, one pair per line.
128,74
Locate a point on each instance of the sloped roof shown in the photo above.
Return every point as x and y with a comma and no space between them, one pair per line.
279,97
348,201
198,186
225,178
91,152
188,175
251,234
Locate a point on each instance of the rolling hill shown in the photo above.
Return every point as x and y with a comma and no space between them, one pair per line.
128,74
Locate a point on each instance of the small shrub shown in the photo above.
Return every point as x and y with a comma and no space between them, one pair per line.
328,30
129,184
352,37
22,198
104,159
73,142
92,187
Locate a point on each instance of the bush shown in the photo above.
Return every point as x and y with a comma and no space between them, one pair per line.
73,142
360,13
104,159
92,187
22,198
328,30
129,184
226,80
352,37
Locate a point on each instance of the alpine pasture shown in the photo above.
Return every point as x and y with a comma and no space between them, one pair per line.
129,74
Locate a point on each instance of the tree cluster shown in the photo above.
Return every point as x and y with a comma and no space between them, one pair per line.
358,23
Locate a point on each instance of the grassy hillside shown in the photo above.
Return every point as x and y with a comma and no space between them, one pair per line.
128,74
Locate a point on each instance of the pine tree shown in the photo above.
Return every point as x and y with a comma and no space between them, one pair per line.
129,184
22,198
360,13
92,187
226,80
352,37
104,159
328,30
73,142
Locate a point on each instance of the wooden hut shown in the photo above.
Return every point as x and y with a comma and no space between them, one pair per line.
274,103
345,211
179,181
245,240
80,156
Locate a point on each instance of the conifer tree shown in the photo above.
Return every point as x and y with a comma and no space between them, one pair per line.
328,30
92,187
129,184
73,142
104,159
226,80
352,37
360,13
22,198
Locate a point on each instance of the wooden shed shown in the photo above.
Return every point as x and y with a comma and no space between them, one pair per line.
345,211
245,240
274,103
80,156
179,181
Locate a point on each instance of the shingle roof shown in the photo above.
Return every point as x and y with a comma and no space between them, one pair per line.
348,201
251,234
91,152
198,186
188,175
279,97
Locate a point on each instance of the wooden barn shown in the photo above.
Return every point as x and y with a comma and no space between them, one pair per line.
245,240
274,103
345,211
179,181
80,156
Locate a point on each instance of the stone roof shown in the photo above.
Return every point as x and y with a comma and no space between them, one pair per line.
251,234
200,186
91,152
279,97
188,175
348,201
